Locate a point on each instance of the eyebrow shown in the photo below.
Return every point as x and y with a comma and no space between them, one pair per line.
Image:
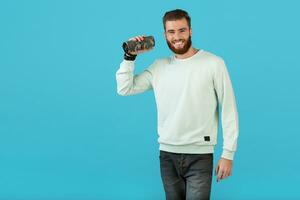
181,29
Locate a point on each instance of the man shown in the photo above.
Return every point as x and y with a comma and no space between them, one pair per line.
188,87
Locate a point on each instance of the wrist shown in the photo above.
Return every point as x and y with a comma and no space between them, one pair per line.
229,155
128,56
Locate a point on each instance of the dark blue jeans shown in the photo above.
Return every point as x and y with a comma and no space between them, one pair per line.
186,176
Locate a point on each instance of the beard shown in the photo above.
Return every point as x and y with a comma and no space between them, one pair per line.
184,49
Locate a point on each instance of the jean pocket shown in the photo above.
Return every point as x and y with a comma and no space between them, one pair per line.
163,155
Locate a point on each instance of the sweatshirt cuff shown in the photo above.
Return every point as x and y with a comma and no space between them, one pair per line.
228,154
128,61
127,65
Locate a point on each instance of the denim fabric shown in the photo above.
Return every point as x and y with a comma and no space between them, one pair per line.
186,176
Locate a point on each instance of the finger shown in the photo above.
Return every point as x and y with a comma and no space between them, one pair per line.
221,174
137,38
217,170
229,173
140,38
132,39
225,175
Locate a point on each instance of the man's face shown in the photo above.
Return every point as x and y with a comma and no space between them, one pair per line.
178,36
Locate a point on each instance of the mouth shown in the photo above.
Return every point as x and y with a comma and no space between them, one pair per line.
178,44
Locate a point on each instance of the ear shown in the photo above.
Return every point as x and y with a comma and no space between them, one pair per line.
165,34
191,32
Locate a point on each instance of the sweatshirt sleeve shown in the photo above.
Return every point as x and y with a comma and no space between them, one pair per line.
128,83
226,100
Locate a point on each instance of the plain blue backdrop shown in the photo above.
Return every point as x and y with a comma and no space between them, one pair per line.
66,134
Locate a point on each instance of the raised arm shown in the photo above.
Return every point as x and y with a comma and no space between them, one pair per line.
127,82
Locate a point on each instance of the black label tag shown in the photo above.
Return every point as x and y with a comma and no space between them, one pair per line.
206,138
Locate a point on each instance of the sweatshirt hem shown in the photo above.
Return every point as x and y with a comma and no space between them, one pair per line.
191,148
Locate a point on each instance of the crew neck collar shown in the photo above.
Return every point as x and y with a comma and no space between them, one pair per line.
189,58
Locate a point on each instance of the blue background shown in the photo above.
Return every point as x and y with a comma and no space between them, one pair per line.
66,134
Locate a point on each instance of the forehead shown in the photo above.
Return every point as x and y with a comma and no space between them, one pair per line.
177,24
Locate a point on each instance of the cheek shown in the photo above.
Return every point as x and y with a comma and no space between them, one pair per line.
186,36
169,38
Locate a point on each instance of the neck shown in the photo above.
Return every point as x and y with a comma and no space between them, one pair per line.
192,51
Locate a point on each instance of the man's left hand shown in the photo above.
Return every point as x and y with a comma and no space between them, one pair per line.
223,169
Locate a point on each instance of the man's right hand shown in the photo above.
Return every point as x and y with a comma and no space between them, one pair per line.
138,38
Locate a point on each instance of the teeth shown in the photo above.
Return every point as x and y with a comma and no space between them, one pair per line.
178,43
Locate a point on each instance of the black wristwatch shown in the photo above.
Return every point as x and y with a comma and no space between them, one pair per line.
128,56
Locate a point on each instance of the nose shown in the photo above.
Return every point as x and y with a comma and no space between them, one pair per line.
177,36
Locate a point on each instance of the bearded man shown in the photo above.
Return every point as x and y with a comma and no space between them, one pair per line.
189,87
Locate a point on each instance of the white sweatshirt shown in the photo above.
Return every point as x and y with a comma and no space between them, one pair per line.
187,93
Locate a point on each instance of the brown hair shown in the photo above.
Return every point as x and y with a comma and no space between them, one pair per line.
176,15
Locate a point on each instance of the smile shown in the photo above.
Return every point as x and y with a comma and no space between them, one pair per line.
178,43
